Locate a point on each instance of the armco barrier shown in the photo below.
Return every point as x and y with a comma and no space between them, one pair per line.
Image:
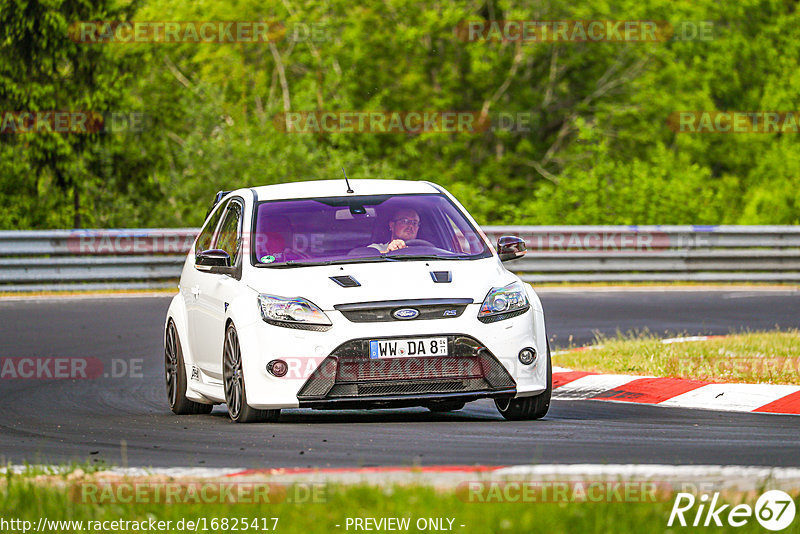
39,260
152,258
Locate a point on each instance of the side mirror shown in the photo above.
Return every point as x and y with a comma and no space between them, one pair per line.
510,247
214,261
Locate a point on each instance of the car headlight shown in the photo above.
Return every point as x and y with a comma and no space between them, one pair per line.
292,313
504,303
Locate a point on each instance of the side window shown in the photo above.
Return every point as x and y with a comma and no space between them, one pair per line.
207,233
228,238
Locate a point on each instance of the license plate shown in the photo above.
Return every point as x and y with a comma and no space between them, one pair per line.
408,348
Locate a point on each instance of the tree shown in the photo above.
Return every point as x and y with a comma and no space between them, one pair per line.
42,69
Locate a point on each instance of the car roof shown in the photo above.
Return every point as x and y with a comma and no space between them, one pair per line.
337,188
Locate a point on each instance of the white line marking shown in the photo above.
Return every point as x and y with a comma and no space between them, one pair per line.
592,385
731,397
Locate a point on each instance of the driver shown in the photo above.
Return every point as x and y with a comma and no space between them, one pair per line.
404,226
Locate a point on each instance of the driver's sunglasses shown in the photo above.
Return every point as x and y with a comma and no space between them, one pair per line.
407,222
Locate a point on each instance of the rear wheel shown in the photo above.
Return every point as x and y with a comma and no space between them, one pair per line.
175,373
527,408
235,392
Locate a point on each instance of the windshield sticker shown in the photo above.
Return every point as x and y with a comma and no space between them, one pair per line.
267,259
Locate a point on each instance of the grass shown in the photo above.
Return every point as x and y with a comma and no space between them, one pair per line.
753,357
23,498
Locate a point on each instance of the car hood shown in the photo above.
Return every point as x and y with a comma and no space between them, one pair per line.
383,281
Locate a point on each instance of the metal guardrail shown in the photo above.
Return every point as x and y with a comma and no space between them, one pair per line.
152,258
656,253
40,260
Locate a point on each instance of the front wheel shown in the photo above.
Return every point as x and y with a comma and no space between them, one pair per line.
235,392
527,408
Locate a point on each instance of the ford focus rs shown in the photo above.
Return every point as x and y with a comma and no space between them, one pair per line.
359,295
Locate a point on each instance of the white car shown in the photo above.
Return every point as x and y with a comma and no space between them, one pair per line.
337,295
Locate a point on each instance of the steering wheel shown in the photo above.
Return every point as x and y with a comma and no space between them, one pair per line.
418,243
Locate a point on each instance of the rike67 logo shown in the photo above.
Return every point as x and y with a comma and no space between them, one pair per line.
774,510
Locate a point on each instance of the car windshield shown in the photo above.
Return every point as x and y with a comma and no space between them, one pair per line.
360,229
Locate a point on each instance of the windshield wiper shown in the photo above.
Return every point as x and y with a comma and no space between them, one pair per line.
400,257
300,263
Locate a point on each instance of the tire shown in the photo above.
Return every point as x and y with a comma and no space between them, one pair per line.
175,375
528,408
235,392
445,406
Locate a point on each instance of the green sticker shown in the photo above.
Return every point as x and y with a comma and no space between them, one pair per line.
267,259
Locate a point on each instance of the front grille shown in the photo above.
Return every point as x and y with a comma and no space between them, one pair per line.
321,380
381,311
409,369
419,387
349,373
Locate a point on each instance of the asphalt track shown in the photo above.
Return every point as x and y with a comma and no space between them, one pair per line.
125,421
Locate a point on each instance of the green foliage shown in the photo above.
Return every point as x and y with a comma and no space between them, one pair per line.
589,143
43,70
78,504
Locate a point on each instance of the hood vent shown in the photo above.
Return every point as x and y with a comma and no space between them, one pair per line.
345,281
442,277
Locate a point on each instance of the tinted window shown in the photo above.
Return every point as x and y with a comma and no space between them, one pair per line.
348,228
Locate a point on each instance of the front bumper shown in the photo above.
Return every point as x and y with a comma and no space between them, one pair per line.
350,378
305,351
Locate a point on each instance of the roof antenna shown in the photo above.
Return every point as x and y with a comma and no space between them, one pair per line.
349,189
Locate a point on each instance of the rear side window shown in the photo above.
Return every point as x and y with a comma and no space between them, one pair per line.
207,233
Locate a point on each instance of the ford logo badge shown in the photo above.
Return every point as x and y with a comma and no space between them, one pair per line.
405,313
